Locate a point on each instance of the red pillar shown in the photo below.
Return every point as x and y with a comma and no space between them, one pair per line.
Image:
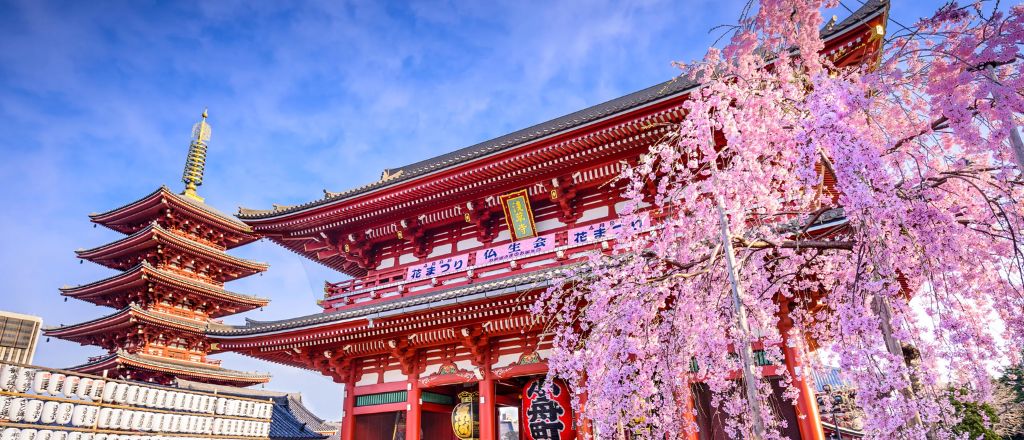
348,423
689,416
412,413
808,416
488,410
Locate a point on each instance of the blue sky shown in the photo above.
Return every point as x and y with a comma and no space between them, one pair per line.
97,100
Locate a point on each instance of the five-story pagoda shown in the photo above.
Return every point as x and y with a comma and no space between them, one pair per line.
173,268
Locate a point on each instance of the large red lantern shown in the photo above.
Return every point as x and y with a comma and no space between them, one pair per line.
548,413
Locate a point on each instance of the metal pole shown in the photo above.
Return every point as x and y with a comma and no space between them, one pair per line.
745,351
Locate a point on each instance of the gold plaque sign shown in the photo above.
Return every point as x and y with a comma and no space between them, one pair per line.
518,215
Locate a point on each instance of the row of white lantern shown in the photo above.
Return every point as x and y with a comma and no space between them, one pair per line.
22,379
47,434
24,410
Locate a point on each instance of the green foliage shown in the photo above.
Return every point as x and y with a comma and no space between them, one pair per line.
977,420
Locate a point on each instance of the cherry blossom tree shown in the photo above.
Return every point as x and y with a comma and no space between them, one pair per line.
871,213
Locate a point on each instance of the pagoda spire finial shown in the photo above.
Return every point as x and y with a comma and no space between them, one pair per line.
195,162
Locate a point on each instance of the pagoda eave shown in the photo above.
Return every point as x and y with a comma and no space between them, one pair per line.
141,367
147,242
136,215
118,290
122,320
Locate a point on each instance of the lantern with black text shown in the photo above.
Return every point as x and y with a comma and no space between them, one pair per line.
548,412
465,418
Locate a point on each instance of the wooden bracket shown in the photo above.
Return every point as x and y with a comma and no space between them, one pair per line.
478,214
562,191
478,345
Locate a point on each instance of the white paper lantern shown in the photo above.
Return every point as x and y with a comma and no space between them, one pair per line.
120,392
104,421
218,426
113,437
74,435
5,407
59,435
96,390
55,384
33,410
78,415
17,412
64,413
70,386
148,397
93,415
24,380
109,389
84,387
132,394
8,374
87,436
99,437
9,434
27,434
147,421
222,404
40,380
43,434
125,421
49,413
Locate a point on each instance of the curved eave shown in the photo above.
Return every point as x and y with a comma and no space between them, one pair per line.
499,287
408,174
148,207
121,319
189,370
95,292
148,237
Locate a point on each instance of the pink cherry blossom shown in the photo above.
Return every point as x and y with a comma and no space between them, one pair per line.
880,202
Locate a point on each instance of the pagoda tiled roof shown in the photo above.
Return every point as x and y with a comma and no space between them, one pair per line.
121,318
676,87
438,298
94,292
154,233
183,368
163,195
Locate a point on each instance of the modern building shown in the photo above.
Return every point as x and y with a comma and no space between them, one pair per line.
170,288
433,337
19,335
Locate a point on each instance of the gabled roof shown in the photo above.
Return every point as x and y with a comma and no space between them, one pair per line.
635,100
97,292
152,235
194,370
131,217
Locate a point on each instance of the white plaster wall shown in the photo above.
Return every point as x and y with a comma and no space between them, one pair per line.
593,214
468,243
431,369
549,224
394,376
618,206
503,235
465,365
386,263
440,250
368,379
406,258
506,360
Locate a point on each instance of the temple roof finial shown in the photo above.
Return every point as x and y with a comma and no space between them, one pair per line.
195,162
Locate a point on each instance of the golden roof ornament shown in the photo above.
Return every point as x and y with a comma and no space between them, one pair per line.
195,162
